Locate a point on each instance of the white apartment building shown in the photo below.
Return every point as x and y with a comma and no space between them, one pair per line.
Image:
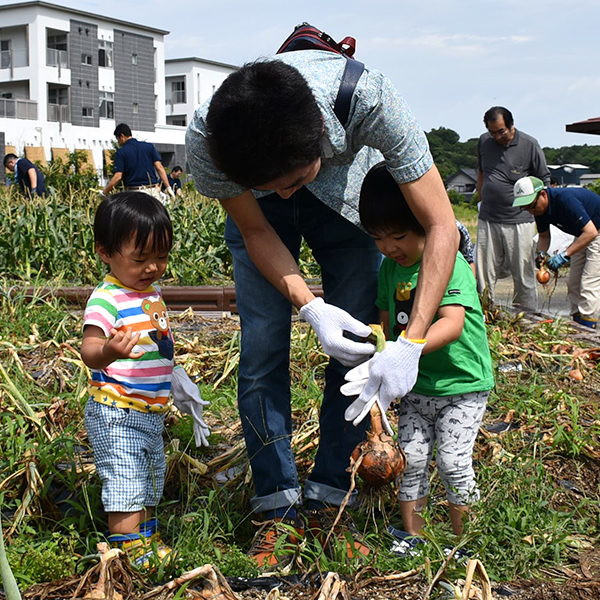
189,83
68,77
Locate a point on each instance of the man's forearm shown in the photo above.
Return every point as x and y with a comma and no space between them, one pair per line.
439,257
113,182
278,266
162,174
429,202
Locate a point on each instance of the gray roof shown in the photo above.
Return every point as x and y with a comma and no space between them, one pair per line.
472,173
202,60
82,13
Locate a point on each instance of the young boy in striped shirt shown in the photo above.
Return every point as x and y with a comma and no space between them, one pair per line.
128,345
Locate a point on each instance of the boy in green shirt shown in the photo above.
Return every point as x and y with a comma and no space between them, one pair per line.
447,402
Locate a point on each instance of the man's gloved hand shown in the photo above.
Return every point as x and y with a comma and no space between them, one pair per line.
540,257
356,380
558,260
391,375
187,399
329,323
171,192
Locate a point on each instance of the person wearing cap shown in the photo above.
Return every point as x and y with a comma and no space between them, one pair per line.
575,211
505,234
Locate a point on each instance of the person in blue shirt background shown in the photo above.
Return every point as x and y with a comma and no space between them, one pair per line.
174,181
27,175
137,165
575,211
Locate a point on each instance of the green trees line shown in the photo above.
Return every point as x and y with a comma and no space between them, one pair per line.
450,154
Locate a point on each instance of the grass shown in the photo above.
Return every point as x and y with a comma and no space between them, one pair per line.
529,519
524,523
467,215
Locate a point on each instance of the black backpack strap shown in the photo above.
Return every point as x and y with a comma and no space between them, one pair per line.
352,73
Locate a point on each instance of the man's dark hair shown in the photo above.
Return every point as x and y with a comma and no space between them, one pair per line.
494,113
176,169
263,123
127,214
9,157
122,129
382,206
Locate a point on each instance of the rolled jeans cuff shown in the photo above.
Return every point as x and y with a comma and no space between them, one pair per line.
327,494
282,499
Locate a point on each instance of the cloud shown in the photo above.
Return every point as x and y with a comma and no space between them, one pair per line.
457,43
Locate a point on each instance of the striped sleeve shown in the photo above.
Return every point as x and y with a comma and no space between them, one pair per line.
101,310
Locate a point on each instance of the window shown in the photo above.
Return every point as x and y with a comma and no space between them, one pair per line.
87,111
105,54
4,54
58,41
178,92
135,108
86,59
177,120
134,59
107,105
58,96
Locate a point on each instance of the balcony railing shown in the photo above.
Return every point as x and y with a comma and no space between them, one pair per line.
56,58
59,113
18,109
178,97
11,59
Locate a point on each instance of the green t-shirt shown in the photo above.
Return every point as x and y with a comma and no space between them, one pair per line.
462,366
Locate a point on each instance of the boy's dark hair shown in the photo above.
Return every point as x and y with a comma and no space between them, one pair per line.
123,215
176,169
9,157
494,113
122,129
382,206
263,123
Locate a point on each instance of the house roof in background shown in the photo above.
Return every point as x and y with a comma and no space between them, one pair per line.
200,60
472,173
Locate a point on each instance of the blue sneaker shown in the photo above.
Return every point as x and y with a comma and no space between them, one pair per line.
405,544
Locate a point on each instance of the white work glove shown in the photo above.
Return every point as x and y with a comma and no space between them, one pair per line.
171,192
329,323
392,374
356,380
187,399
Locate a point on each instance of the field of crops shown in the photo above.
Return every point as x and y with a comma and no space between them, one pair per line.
537,456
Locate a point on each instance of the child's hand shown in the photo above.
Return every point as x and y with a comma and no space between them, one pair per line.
121,344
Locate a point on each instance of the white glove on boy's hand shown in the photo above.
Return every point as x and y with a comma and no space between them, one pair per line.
329,323
356,380
392,374
187,399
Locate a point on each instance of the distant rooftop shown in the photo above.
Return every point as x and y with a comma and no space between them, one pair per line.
202,60
570,165
81,13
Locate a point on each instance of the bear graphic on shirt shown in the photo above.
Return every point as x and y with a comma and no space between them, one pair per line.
157,311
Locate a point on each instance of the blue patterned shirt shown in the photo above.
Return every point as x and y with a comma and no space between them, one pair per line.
380,127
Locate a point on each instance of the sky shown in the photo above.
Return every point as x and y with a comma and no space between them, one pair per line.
451,60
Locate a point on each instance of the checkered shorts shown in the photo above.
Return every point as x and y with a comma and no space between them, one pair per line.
129,455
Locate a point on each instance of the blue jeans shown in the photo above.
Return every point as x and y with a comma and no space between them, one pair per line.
349,263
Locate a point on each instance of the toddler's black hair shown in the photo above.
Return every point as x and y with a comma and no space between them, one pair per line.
122,216
382,206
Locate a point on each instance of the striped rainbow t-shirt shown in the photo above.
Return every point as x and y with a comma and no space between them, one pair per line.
144,383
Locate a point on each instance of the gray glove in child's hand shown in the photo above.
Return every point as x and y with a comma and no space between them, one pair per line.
187,399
